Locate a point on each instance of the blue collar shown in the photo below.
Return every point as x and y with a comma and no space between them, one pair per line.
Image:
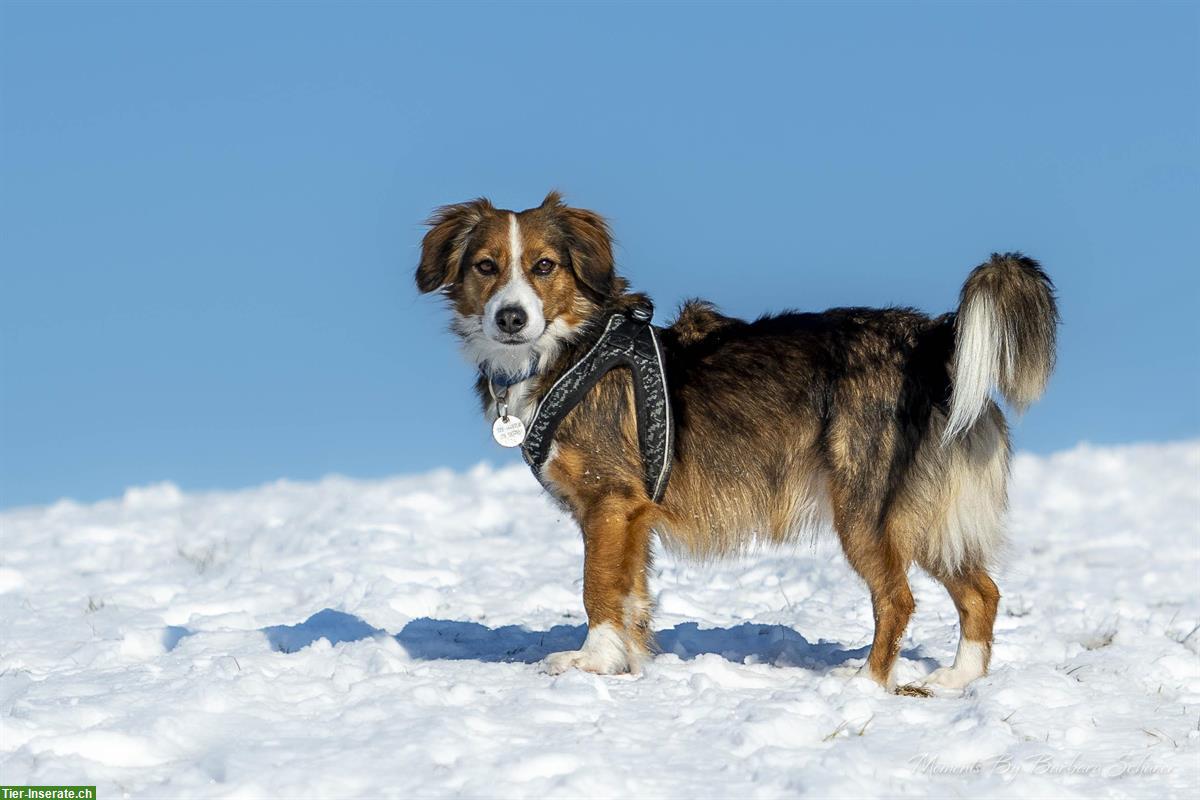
506,380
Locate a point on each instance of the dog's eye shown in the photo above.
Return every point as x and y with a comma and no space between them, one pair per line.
544,267
486,267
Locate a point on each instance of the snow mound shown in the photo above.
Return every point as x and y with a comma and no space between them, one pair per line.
363,638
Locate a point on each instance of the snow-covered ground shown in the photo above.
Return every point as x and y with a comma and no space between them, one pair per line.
381,638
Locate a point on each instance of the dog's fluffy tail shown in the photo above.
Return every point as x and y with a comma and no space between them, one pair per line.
1004,337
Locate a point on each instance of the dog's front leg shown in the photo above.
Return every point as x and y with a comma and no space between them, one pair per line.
616,535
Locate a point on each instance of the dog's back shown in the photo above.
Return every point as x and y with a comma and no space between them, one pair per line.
884,402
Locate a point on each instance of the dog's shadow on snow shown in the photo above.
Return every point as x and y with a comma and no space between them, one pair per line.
442,639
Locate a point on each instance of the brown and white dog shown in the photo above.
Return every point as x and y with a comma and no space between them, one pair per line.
877,422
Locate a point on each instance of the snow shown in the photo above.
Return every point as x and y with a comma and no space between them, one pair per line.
380,638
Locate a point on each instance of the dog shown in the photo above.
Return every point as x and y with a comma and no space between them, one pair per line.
877,423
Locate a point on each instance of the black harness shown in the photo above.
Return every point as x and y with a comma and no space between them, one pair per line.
627,341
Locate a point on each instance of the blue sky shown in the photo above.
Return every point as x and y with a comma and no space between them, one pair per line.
211,213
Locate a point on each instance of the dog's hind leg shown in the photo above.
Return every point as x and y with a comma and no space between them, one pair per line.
976,597
861,448
967,533
884,568
616,534
893,605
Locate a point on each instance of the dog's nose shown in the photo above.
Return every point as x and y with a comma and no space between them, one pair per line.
511,319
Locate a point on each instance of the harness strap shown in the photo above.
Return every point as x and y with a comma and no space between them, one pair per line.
628,341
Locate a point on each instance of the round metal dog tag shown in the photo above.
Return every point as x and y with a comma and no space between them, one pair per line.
508,431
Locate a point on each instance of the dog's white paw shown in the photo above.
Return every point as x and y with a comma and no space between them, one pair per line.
603,653
864,671
949,678
970,663
558,663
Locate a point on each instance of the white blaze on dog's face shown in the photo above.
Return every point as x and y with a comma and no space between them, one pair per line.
519,282
513,313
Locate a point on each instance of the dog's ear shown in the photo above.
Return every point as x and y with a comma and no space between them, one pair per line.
589,242
443,245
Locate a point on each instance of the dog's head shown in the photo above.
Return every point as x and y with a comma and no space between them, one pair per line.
520,283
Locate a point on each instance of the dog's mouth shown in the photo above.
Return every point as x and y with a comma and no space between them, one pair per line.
513,341
521,338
